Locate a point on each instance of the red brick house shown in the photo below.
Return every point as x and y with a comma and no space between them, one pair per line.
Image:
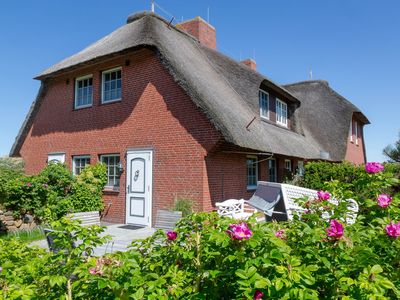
172,117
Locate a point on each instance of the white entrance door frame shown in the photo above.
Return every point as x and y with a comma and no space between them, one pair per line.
139,187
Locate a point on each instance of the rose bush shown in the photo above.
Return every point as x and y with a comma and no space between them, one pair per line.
54,192
208,257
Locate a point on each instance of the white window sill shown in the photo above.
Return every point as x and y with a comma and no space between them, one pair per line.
83,106
251,187
282,124
111,101
264,117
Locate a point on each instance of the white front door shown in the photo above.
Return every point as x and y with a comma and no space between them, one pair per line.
139,179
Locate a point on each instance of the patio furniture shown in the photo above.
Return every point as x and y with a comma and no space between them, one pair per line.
277,201
50,237
166,219
87,218
233,208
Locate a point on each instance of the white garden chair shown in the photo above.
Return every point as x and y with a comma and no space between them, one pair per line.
233,208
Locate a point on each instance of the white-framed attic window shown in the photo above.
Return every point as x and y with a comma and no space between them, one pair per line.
264,104
351,132
111,86
83,91
281,113
356,132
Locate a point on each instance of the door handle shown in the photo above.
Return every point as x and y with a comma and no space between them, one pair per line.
128,187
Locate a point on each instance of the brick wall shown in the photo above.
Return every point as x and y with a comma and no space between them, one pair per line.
201,30
154,113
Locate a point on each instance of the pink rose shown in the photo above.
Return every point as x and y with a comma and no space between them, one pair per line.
280,233
93,271
172,235
335,229
1,269
322,195
393,230
29,184
384,200
258,294
374,167
239,231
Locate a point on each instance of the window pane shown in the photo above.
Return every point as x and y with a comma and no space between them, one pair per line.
112,162
112,85
84,92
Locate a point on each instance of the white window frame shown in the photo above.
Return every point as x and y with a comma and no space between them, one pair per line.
76,106
351,132
356,132
103,85
56,156
119,175
300,168
252,157
262,101
288,165
281,107
74,162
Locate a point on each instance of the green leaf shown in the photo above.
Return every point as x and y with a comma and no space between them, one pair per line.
241,274
262,283
387,284
278,284
376,269
276,254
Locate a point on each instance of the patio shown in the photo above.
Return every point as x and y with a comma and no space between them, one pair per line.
122,236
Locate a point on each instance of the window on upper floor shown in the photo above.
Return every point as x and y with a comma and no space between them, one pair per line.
281,112
351,132
264,104
252,172
84,91
112,162
356,132
111,85
79,163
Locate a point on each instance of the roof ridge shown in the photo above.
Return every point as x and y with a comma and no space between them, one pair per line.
324,82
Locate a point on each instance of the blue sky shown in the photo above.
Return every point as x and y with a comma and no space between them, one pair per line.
355,45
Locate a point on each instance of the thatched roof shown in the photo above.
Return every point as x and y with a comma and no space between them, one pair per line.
225,90
326,114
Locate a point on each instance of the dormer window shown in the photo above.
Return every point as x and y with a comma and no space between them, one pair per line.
264,104
281,113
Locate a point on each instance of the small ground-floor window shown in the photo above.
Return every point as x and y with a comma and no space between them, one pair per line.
272,170
79,163
300,168
112,162
252,172
56,157
288,165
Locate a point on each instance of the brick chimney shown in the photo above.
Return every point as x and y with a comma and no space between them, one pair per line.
250,63
201,30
